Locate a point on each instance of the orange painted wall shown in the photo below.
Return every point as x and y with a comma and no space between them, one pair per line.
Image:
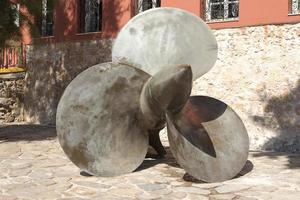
252,12
117,12
189,5
260,12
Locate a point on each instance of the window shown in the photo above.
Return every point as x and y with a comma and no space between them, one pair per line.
221,10
16,8
90,16
295,6
143,5
46,26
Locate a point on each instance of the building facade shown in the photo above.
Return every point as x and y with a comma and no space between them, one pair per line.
75,20
257,72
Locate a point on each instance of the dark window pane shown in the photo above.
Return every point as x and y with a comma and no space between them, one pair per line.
217,11
46,22
144,5
233,10
147,4
16,9
158,3
216,1
90,16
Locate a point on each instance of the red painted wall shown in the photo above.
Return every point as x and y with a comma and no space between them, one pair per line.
193,6
261,12
117,12
252,12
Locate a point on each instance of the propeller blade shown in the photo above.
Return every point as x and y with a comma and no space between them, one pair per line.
208,139
169,89
162,37
99,122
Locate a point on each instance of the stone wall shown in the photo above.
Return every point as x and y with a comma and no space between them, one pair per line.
258,75
11,100
50,69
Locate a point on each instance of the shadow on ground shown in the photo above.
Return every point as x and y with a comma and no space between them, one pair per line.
13,133
293,159
151,160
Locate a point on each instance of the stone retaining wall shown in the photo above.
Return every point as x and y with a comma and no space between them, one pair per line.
11,100
51,68
257,74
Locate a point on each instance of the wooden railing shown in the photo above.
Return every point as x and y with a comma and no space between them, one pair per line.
12,56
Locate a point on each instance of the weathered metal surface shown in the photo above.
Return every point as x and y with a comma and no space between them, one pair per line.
169,90
110,113
99,123
208,139
164,37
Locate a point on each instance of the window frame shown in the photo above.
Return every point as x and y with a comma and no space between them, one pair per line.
226,18
43,20
294,7
139,5
81,12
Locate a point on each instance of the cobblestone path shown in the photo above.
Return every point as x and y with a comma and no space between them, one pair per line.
33,166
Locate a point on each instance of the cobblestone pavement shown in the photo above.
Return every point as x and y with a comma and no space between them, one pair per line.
33,166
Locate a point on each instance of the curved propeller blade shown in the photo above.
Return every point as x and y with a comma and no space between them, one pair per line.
99,122
169,89
162,37
208,139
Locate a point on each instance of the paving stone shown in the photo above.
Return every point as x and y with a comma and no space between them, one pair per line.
72,198
124,192
60,186
5,197
222,196
91,184
49,195
148,196
197,197
176,183
31,192
152,186
244,198
161,191
41,174
65,171
21,165
193,190
45,182
206,185
38,177
231,188
19,172
179,195
82,191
